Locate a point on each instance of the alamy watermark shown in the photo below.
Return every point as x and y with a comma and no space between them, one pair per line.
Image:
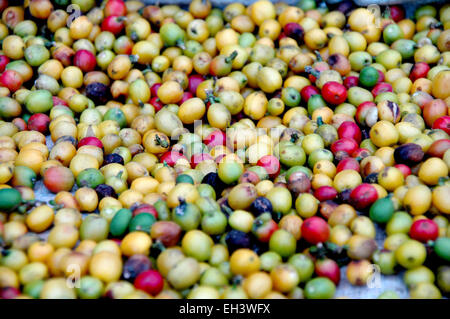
73,279
374,280
74,12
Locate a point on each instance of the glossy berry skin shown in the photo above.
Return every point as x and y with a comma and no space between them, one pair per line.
294,30
194,82
351,81
113,24
308,91
271,164
439,147
419,70
315,230
348,163
349,129
368,77
115,7
145,208
397,13
236,239
98,92
113,158
324,193
260,206
171,157
327,267
149,281
442,123
406,171
90,140
104,190
424,230
157,104
85,60
59,101
381,87
4,60
154,89
347,145
362,196
11,79
38,122
334,93
263,227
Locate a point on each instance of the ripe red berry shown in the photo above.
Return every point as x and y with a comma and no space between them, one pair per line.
315,230
334,93
424,230
149,281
